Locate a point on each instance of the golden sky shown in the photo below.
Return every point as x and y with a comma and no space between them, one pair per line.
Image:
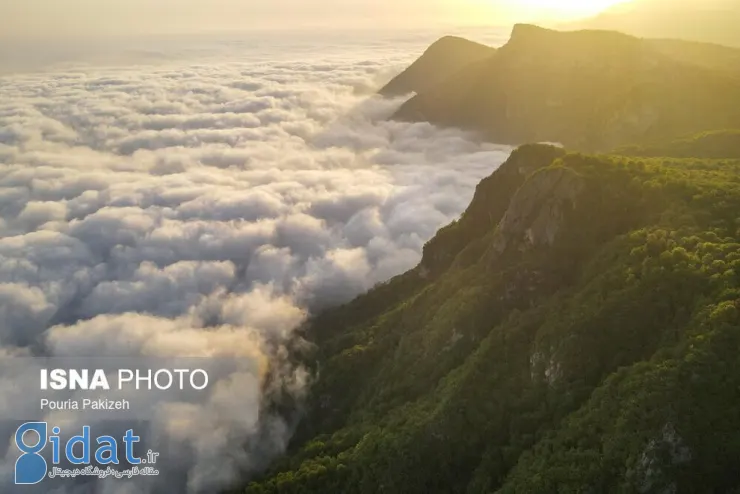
85,17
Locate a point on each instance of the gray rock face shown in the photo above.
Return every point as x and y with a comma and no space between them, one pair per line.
535,214
668,449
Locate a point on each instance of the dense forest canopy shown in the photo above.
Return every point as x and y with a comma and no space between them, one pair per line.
575,331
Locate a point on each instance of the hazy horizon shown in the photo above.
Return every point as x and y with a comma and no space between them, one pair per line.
85,18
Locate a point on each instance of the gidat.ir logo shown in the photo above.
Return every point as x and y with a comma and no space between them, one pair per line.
32,437
30,467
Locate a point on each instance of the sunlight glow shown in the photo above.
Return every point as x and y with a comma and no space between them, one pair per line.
563,8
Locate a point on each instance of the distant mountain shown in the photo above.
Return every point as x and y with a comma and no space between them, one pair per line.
706,55
576,330
714,21
442,59
589,90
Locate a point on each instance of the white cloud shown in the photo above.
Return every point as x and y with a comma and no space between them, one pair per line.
205,209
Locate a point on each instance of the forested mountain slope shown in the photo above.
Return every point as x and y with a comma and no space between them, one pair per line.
588,90
577,330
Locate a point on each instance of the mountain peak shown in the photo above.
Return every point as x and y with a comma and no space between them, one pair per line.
442,59
530,34
452,42
527,30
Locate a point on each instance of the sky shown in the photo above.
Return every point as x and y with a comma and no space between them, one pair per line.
131,17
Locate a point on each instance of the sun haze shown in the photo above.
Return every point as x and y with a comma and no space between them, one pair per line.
53,18
562,8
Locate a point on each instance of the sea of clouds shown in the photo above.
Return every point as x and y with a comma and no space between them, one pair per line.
205,206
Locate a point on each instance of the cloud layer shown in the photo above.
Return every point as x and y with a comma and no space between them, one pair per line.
204,209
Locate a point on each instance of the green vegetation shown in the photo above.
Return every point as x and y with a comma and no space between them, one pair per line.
588,90
714,145
577,330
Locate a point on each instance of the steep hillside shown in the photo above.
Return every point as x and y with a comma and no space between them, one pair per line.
588,90
713,21
577,330
442,59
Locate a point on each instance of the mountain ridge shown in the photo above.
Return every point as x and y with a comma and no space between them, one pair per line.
713,22
558,360
588,90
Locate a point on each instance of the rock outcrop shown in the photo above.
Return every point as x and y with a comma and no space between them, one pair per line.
536,211
492,199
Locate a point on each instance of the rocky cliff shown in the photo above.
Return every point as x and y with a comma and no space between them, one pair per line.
535,215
